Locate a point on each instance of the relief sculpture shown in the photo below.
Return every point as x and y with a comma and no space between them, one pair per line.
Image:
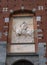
23,30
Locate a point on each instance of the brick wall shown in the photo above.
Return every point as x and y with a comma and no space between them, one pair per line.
13,5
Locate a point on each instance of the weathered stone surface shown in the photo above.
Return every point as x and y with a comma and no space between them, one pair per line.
41,52
1,63
2,53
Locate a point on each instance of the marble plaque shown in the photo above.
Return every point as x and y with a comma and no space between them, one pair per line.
27,48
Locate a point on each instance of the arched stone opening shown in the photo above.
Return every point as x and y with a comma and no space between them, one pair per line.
23,62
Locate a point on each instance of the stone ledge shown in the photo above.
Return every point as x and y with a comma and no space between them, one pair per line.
21,54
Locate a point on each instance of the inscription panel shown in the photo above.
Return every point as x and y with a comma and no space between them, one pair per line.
27,48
